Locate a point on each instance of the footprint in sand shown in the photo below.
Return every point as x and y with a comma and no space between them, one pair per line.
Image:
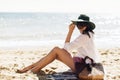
53,68
47,71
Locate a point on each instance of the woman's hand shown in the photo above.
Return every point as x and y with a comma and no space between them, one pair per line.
71,27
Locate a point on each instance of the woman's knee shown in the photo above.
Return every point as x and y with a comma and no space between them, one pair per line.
55,49
59,51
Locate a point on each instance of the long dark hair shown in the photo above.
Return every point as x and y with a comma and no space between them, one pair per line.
87,30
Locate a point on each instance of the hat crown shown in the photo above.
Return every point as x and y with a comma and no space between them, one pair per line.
84,17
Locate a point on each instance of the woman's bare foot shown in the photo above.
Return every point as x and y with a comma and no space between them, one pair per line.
23,70
20,71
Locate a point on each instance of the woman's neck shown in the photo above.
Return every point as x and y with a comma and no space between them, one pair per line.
81,31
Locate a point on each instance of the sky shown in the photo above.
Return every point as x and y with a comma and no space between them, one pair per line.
73,6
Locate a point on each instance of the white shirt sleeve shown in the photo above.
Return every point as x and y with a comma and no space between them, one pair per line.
77,43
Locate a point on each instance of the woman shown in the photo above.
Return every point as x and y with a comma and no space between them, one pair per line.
83,44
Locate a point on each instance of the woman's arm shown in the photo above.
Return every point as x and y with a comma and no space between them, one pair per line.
71,28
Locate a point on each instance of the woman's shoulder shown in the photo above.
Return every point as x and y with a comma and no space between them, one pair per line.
86,36
83,37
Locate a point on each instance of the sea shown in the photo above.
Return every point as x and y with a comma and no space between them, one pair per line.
43,29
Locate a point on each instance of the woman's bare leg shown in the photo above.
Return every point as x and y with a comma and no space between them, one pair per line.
28,67
56,53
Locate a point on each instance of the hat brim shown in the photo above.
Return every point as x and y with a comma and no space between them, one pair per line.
92,25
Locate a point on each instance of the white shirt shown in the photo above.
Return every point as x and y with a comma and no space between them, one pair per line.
84,47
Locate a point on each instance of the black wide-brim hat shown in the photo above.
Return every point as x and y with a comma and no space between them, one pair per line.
84,19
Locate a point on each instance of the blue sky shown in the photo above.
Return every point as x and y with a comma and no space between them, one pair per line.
85,6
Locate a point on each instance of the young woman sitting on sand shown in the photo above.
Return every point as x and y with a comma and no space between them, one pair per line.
83,44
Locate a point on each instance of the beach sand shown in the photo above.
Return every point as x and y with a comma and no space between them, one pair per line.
11,60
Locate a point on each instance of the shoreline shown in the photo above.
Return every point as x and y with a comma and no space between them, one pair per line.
13,59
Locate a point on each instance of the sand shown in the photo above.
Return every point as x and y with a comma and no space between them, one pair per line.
11,60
